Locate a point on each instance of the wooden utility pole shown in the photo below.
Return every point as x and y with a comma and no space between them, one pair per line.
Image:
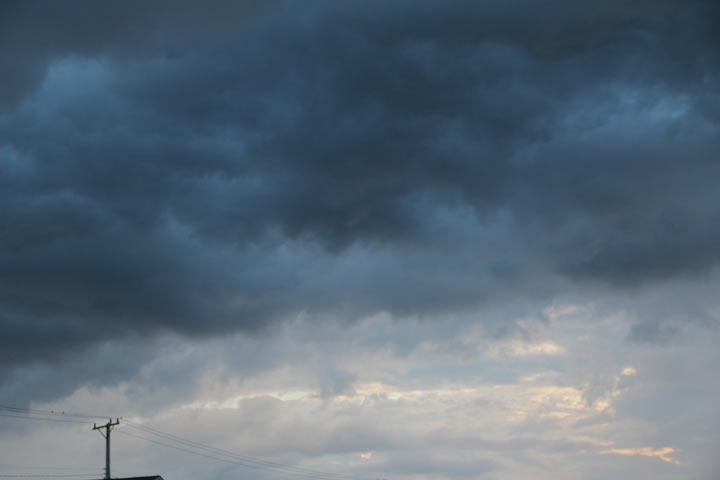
108,428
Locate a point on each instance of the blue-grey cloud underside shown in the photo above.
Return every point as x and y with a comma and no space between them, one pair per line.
217,168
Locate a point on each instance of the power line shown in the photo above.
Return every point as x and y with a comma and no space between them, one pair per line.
31,417
38,467
237,456
244,458
48,475
52,412
188,446
226,460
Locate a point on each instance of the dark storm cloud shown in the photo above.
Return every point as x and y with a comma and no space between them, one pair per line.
206,169
33,33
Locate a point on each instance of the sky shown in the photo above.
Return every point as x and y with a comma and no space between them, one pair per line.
360,239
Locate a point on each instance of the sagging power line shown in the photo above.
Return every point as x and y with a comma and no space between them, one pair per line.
175,442
49,475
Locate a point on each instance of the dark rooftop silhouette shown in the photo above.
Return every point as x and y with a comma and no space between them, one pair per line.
151,477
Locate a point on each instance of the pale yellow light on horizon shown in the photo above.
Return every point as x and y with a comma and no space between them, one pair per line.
660,453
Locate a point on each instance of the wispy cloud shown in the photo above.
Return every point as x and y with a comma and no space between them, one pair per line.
659,453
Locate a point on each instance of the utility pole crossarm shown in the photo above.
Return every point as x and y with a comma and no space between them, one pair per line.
108,428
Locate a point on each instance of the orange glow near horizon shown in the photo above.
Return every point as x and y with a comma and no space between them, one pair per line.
661,453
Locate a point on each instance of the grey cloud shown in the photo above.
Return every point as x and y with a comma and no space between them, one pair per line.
38,380
34,33
206,170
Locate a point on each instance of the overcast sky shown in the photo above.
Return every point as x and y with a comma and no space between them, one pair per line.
385,239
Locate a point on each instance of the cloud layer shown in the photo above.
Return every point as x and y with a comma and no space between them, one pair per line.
417,183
